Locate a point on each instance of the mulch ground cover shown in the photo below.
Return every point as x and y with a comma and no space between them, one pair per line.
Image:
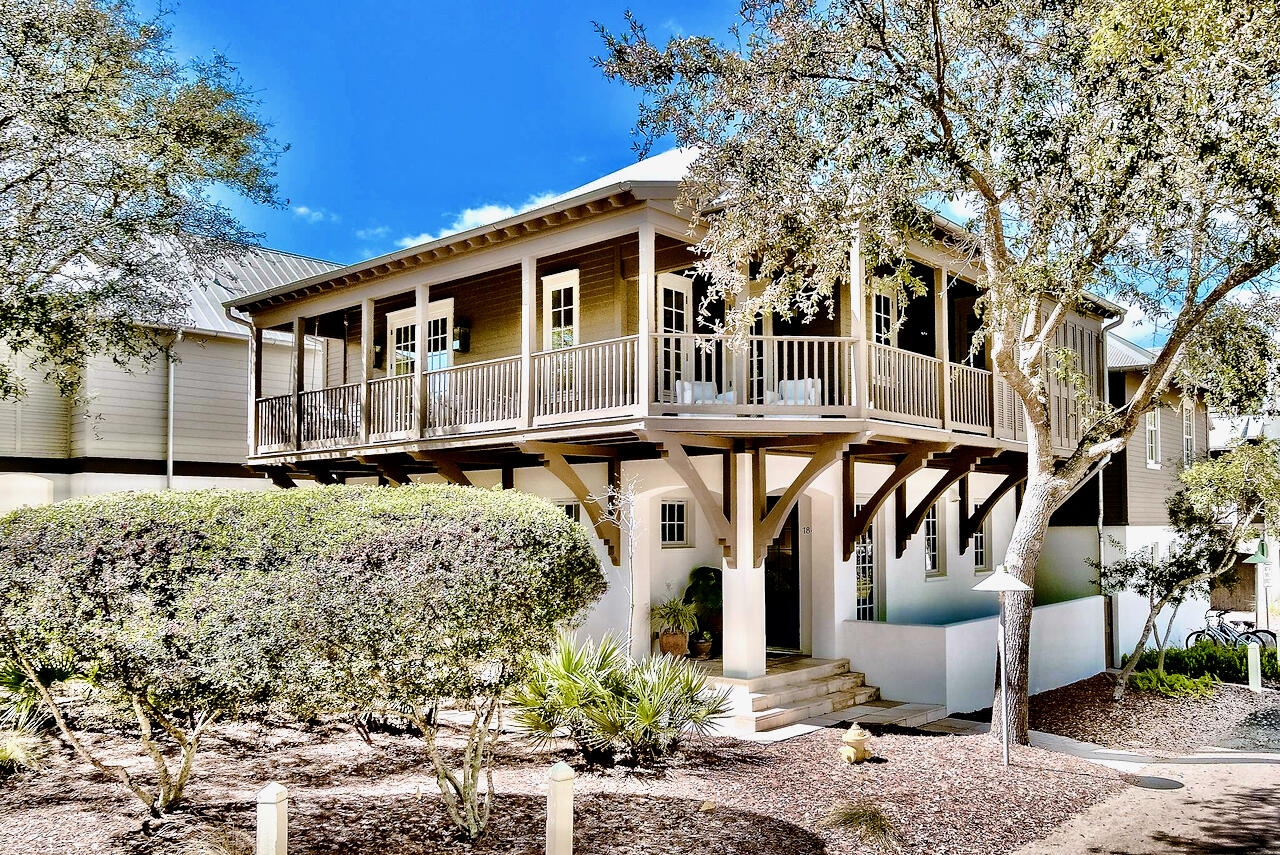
1233,717
722,797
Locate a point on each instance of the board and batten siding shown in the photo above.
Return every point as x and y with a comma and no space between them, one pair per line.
39,424
1147,488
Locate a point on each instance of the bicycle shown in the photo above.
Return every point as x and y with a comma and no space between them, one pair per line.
1218,630
1266,637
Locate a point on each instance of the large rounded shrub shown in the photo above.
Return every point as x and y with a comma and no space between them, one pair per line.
182,608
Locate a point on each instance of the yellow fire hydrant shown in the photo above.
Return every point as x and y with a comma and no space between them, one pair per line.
856,746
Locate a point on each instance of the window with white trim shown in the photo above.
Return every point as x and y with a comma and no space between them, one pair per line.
572,509
981,562
560,310
673,523
864,567
932,530
1153,438
882,318
1188,434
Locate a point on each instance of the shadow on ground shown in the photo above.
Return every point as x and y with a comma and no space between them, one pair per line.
1245,822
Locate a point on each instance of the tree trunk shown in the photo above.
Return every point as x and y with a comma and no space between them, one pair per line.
1162,644
1021,560
1122,679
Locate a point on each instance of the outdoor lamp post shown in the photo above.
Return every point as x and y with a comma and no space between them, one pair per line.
1002,582
1261,564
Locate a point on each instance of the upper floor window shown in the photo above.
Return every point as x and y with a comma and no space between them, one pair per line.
674,524
882,318
1153,438
1188,434
560,310
933,544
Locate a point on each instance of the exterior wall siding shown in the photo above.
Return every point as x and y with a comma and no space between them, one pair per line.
39,424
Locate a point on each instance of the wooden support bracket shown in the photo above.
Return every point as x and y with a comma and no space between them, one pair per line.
971,522
857,521
446,465
388,469
909,523
769,526
280,477
673,450
552,455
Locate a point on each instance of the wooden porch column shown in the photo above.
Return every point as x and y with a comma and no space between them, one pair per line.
743,586
422,296
255,385
528,331
366,365
941,335
299,376
857,326
647,282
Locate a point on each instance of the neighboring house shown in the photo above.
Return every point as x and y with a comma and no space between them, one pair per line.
156,425
1126,510
854,477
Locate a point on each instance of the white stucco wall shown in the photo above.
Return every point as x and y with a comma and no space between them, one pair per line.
1129,611
22,489
1064,572
954,664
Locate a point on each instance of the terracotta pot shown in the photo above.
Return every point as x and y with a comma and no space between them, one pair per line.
700,649
674,643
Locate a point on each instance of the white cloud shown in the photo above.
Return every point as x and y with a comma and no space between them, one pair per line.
315,215
481,215
372,233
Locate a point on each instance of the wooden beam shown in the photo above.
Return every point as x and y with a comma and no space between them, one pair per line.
768,528
387,468
280,477
508,478
856,522
568,449
319,473
445,464
971,522
909,523
673,451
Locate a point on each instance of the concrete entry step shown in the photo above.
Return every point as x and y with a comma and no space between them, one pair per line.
793,689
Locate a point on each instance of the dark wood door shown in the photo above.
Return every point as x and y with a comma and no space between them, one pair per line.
782,587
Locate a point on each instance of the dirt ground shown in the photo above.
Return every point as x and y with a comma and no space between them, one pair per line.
726,797
1225,802
1233,717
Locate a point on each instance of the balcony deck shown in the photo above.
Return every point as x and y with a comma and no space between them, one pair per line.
762,384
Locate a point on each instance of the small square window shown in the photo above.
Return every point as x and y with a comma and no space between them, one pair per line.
571,509
674,524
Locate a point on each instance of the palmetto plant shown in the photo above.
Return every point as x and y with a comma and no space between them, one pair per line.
612,706
20,700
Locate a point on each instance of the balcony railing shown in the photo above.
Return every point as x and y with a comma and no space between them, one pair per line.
803,376
781,375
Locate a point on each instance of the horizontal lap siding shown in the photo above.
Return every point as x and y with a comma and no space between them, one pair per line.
1147,488
606,272
39,424
491,302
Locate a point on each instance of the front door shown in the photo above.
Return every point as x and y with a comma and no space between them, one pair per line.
782,586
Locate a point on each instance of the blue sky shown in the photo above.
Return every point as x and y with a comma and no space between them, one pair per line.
411,119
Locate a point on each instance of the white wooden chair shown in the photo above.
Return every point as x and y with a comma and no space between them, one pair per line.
806,391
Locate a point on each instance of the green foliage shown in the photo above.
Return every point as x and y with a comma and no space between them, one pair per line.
1172,685
110,147
674,615
20,699
865,820
1206,659
705,591
1235,359
190,607
613,707
20,750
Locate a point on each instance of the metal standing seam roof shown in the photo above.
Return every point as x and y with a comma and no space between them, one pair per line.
1124,355
257,269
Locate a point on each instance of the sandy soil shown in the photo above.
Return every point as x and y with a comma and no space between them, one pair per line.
1228,803
726,797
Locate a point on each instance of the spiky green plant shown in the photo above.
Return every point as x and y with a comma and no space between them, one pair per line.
611,706
20,701
865,820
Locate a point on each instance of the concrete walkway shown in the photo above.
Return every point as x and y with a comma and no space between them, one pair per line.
1228,802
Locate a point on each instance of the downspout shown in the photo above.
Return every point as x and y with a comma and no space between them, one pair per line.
168,451
1109,623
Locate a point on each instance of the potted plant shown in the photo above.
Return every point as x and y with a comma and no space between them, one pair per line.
700,645
674,620
704,593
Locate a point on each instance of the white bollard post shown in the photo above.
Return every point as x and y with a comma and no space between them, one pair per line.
273,821
559,810
1255,666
